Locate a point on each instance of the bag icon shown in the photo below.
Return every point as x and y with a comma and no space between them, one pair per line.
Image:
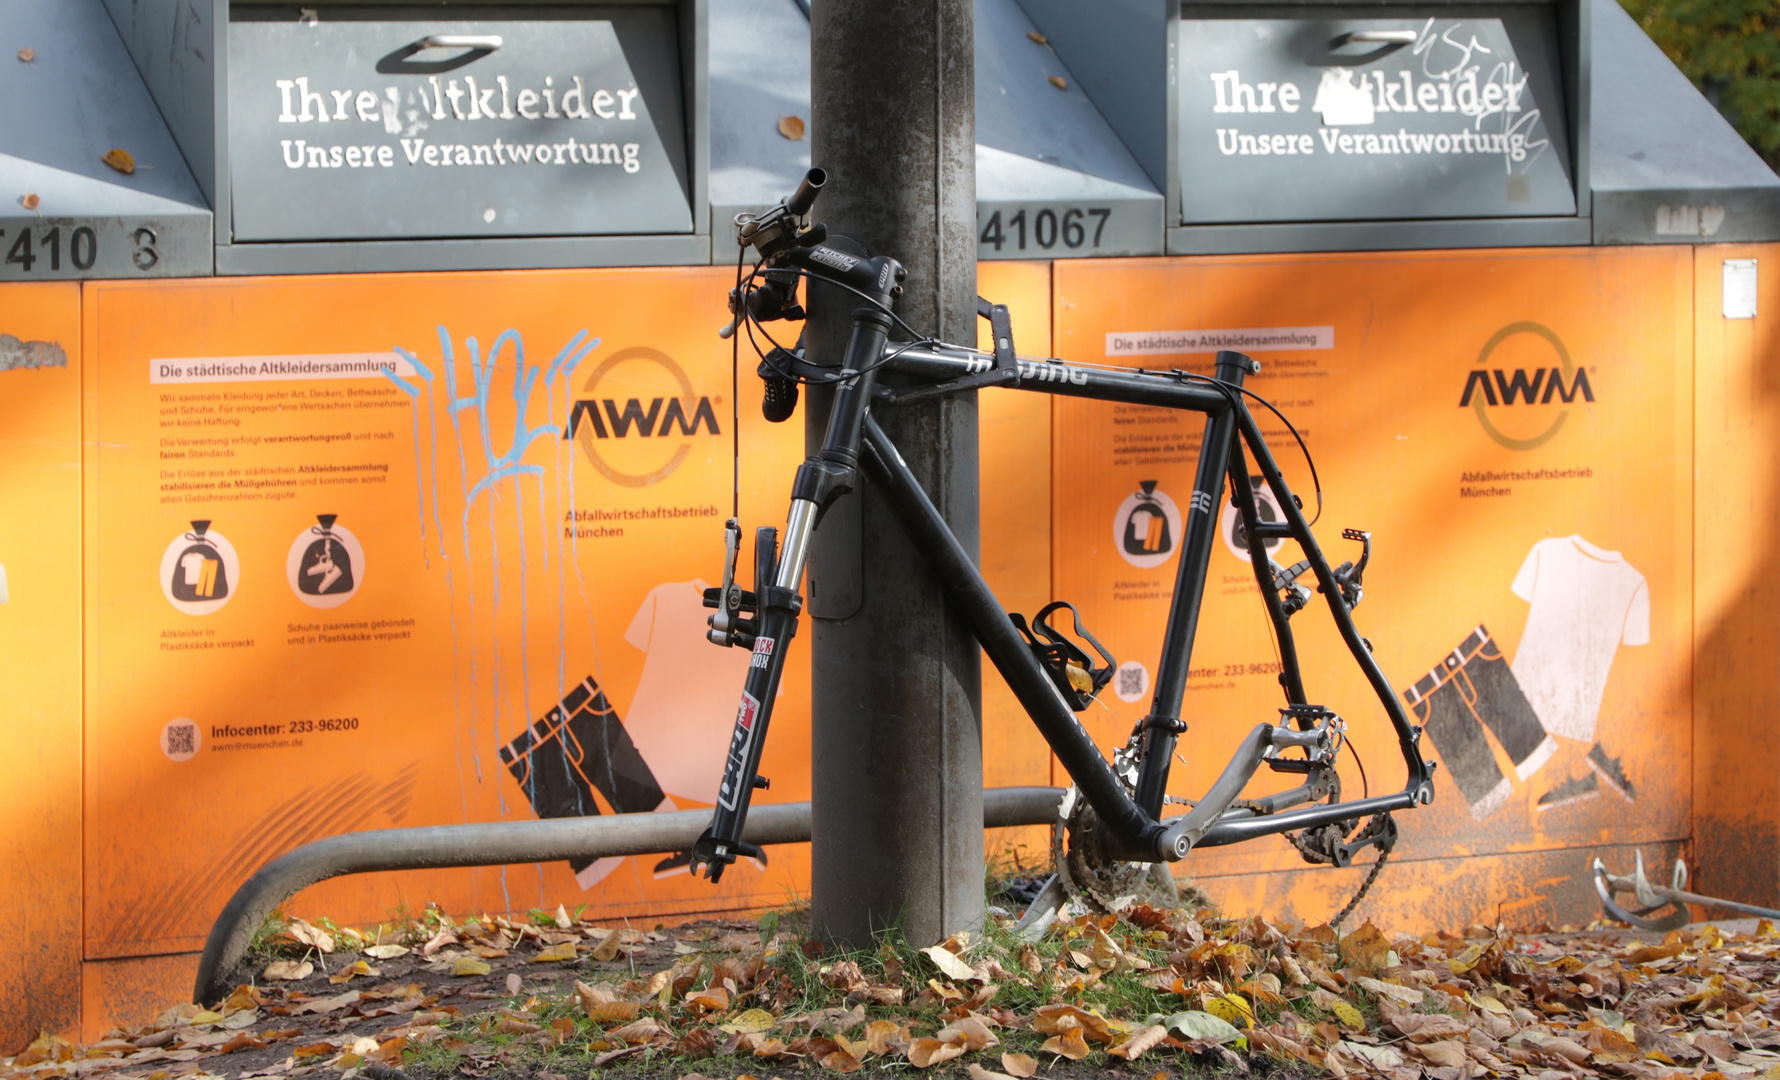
326,568
1146,528
198,573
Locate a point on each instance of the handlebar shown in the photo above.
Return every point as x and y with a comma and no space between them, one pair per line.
805,197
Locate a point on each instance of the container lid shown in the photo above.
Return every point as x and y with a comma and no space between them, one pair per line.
1665,166
77,98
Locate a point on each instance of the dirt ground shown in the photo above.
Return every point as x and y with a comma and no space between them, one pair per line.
1152,994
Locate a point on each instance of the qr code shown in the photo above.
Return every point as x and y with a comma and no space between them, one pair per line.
182,739
1130,682
179,739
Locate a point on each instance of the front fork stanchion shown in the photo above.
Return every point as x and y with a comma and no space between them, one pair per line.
820,480
779,604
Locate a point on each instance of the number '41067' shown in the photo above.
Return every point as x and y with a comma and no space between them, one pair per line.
1048,227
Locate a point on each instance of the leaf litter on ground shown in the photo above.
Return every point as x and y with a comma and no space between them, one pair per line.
1158,990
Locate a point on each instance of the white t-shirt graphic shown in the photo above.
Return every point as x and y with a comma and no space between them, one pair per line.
684,711
1585,603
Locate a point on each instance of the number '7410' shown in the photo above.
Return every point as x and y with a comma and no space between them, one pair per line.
1048,226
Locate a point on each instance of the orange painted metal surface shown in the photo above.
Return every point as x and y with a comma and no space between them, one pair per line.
1658,466
1736,513
1562,527
1014,440
40,583
467,592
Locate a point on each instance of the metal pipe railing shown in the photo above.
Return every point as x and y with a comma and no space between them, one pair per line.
503,843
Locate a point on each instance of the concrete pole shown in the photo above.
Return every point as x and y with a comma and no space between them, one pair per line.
896,797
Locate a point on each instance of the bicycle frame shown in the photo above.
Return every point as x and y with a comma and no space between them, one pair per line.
855,442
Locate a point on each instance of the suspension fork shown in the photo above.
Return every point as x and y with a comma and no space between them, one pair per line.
821,479
1163,727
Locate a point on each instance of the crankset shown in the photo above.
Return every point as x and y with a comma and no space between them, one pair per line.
1083,851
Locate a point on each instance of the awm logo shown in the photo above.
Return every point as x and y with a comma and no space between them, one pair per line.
662,404
1488,388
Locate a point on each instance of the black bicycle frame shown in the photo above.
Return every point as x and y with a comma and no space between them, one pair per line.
1231,440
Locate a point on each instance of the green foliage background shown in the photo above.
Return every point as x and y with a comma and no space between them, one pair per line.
1731,51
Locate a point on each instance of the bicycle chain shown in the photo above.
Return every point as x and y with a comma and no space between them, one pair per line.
1361,894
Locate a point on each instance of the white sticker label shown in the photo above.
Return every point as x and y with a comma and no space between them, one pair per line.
1739,288
1258,339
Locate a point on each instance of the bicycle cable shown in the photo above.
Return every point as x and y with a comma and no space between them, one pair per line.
735,404
751,324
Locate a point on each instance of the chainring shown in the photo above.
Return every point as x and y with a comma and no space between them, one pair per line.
1082,851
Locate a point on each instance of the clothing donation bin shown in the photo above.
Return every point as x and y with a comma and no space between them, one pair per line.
379,383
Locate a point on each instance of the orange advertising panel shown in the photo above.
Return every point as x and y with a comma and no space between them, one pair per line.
387,551
1736,593
40,657
1514,429
1014,440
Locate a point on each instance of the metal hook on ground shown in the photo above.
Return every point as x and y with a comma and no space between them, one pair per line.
1653,898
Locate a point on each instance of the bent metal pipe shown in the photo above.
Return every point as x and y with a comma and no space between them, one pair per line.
503,843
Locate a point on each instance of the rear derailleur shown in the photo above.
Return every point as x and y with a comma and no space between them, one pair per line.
1333,844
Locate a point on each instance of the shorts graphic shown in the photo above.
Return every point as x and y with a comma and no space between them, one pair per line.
577,748
1470,690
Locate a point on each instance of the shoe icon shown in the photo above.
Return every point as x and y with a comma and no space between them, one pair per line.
1610,772
1575,789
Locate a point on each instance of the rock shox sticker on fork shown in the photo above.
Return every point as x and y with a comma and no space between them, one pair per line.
738,750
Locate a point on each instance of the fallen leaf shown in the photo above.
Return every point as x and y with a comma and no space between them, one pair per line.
885,1037
791,127
969,1032
640,1031
313,1050
1404,994
924,1053
607,949
313,936
352,971
27,55
1020,1065
29,201
243,1041
948,963
323,1006
977,1072
1383,1057
1448,1054
1059,82
556,953
1070,1044
840,1061
1231,1008
386,952
468,965
1038,38
1195,1024
1132,1048
1366,947
750,1022
287,970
